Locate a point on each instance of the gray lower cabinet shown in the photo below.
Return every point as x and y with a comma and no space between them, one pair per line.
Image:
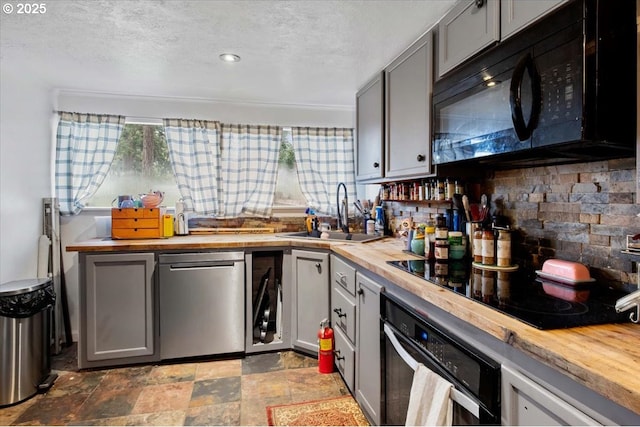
310,297
119,314
368,367
355,317
527,403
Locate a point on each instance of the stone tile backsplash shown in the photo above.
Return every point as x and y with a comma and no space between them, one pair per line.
579,212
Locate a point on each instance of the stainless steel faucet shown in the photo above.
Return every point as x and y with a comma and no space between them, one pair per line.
344,208
628,302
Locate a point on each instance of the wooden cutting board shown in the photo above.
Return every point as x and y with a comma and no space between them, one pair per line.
231,230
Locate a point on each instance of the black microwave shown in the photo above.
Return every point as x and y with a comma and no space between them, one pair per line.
561,91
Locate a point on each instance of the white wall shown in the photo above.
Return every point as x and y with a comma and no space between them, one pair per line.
25,174
27,123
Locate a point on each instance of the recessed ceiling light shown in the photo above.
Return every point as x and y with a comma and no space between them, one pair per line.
229,57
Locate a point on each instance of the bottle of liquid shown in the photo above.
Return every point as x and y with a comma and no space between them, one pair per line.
380,225
430,237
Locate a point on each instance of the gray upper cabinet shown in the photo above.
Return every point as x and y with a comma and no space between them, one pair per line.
119,312
517,14
467,29
473,25
408,86
370,129
310,297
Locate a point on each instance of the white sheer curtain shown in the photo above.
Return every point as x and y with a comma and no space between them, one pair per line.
249,158
194,152
85,147
324,158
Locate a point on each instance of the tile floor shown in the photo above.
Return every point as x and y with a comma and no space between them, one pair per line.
213,392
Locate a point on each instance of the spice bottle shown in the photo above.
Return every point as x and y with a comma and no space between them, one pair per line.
450,188
442,250
477,245
441,191
503,249
488,248
430,238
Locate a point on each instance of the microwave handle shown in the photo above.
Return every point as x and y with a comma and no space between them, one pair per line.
523,130
456,395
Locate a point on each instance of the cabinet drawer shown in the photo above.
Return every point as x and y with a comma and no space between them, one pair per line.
343,312
135,223
136,233
345,357
343,274
136,213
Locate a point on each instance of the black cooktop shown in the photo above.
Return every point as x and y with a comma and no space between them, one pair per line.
543,304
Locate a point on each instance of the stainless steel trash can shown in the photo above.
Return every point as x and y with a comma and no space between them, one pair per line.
25,312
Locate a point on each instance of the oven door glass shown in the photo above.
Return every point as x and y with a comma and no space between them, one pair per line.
398,376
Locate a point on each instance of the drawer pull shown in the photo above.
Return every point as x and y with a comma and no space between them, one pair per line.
339,312
360,291
337,353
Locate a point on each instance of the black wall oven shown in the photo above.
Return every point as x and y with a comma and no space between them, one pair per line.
562,90
410,338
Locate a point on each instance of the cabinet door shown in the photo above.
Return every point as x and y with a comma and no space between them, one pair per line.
467,29
370,129
525,402
517,14
368,389
119,307
311,297
408,88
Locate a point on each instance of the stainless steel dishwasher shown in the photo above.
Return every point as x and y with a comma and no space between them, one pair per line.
201,304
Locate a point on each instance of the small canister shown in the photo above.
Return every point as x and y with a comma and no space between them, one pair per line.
371,226
488,248
442,249
503,249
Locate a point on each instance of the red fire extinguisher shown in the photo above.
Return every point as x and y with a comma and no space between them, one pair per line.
325,348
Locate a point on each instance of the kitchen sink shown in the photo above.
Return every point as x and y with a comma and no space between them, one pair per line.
336,236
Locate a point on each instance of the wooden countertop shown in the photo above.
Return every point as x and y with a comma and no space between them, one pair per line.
604,358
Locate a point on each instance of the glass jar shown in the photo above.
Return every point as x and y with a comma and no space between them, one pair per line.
442,249
488,248
450,188
417,244
441,190
477,245
503,249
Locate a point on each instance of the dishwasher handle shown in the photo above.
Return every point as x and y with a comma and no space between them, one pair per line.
457,396
200,265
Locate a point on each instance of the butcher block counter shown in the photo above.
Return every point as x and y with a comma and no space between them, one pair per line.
604,358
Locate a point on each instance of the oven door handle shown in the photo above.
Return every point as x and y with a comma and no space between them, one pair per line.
457,396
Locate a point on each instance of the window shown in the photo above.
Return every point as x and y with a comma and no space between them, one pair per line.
288,192
142,164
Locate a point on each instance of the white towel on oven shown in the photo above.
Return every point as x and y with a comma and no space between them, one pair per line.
430,399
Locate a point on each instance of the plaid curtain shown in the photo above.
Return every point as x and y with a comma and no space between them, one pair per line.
324,158
85,147
194,152
249,169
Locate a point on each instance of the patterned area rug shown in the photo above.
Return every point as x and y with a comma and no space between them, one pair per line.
339,411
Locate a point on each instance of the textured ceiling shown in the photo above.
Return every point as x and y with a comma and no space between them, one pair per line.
293,52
